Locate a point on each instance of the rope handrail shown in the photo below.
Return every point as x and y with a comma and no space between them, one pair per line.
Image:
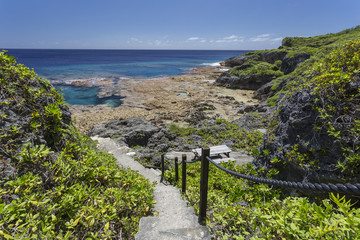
347,188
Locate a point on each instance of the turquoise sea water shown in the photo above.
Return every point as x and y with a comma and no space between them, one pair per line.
60,66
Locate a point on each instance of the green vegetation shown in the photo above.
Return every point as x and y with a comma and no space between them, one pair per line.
239,209
181,131
330,39
90,196
333,82
317,47
257,68
220,131
63,187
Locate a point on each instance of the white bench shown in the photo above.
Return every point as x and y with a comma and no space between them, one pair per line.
216,151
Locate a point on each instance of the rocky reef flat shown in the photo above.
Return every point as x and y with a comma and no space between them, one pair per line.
184,99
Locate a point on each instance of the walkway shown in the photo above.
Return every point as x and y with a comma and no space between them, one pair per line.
175,221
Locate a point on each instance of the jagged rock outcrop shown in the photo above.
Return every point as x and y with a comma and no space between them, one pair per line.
315,133
269,89
261,80
272,56
132,131
248,82
300,133
237,60
31,112
264,56
295,126
254,121
289,64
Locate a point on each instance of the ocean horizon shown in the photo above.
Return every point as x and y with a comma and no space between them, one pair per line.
61,66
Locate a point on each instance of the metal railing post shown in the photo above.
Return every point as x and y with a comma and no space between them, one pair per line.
183,183
176,170
205,152
162,167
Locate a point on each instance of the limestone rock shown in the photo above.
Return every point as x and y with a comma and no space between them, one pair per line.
297,119
266,90
238,60
272,56
247,82
132,131
254,121
288,65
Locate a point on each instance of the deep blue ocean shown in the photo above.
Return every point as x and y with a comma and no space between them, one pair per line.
63,65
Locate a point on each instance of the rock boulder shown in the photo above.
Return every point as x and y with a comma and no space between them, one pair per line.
247,82
289,64
132,131
301,143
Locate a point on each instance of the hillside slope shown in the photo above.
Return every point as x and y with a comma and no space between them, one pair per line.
313,83
269,71
54,183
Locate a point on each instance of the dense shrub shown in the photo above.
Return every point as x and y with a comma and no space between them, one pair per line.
218,132
257,68
316,131
54,183
239,209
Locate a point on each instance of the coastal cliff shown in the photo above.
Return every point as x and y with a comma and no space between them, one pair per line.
313,84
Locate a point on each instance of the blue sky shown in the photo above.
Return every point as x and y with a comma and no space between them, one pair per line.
169,24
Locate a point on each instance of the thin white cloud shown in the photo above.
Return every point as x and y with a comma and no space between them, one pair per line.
193,38
159,43
232,37
264,35
277,39
197,40
261,38
133,39
229,39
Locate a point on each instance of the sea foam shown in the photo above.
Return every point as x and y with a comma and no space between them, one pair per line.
215,64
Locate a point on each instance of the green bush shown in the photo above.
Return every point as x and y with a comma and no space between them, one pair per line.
259,69
87,195
63,186
219,132
181,131
240,209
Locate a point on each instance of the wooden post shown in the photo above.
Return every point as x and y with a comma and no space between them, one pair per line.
162,167
183,183
176,170
205,152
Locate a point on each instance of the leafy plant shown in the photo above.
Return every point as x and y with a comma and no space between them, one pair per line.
215,134
240,209
61,186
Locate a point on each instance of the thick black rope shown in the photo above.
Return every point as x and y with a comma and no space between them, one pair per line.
347,188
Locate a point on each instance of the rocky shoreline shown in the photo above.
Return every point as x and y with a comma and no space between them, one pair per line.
185,99
302,141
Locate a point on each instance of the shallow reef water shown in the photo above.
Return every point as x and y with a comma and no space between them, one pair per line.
78,95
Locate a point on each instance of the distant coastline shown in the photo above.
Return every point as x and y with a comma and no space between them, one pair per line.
62,67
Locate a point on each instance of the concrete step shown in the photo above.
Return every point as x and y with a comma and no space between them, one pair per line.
155,171
191,233
161,223
175,221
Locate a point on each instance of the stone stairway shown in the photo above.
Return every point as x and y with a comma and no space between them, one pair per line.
175,221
